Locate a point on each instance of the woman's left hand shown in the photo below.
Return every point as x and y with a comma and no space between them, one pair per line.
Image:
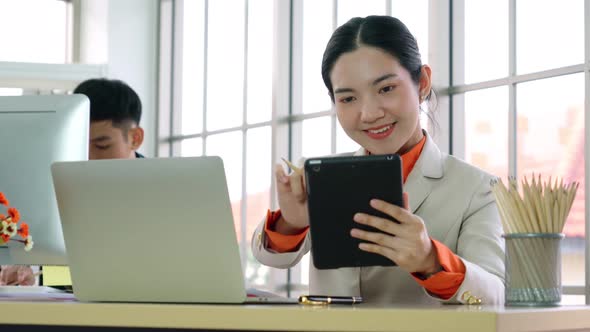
406,243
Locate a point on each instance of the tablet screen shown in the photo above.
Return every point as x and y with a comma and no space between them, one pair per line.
339,187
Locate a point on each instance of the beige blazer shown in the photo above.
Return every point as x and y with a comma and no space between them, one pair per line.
455,201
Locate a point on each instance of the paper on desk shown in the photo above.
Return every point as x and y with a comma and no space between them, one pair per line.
37,297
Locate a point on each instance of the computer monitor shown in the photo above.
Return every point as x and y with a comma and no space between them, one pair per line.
36,131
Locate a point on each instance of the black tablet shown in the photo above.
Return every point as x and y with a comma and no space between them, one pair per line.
339,187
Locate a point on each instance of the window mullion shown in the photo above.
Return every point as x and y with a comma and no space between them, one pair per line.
587,148
244,201
512,112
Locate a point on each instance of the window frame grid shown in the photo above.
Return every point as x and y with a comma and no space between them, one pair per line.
170,102
452,113
43,77
457,109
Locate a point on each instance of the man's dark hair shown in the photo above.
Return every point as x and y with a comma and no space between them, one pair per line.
111,100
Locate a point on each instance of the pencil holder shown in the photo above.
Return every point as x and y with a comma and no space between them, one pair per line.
533,269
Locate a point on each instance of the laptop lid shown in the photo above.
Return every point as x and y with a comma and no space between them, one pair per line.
149,230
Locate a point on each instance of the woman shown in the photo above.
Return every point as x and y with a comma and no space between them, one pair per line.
448,245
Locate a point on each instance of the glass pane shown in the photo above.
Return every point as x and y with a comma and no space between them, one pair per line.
549,34
34,31
259,174
551,143
304,263
193,44
317,29
486,130
11,92
192,147
486,48
258,177
228,146
316,137
348,9
225,67
260,61
412,13
343,142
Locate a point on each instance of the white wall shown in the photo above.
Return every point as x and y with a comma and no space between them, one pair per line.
132,56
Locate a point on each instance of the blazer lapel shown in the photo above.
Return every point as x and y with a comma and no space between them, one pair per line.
417,188
428,165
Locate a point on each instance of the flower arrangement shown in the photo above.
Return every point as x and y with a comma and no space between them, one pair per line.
10,226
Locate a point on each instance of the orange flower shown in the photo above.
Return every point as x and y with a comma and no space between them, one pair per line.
23,230
3,199
2,217
14,215
5,238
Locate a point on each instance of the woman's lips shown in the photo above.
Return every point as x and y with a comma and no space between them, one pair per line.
380,132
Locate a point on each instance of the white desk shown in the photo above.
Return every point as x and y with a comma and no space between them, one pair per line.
295,317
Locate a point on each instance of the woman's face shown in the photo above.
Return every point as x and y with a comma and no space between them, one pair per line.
376,101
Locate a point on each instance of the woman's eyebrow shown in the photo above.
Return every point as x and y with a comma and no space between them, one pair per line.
383,78
375,82
343,90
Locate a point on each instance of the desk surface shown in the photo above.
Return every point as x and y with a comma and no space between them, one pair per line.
296,317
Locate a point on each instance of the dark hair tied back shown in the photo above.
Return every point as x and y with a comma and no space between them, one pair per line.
383,32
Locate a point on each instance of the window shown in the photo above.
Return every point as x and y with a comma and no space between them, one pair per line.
486,129
11,92
534,35
518,96
512,102
224,97
35,31
38,47
222,103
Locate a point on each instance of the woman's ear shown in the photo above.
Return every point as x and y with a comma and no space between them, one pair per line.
136,135
425,83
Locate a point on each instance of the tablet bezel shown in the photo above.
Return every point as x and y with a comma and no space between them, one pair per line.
337,188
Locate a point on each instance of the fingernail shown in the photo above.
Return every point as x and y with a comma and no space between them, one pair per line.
358,217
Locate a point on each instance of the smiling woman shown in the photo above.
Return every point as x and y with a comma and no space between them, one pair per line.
447,244
376,98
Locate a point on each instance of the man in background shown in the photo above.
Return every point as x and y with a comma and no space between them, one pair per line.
115,113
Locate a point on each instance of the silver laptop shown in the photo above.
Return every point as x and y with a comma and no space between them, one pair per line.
150,230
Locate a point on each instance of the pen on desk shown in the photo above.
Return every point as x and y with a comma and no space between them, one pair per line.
323,300
293,167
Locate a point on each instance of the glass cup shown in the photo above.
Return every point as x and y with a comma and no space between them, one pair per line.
533,269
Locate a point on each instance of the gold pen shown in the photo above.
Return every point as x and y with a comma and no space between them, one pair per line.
325,300
293,167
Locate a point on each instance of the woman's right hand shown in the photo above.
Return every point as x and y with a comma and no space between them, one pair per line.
292,201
